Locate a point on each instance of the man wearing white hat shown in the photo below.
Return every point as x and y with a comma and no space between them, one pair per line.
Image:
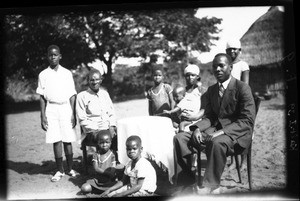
240,69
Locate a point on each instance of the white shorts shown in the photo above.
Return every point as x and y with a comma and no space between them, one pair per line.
59,123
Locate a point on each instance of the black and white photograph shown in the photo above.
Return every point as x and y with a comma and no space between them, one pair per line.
169,101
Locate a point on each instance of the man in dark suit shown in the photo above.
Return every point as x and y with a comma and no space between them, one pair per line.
230,109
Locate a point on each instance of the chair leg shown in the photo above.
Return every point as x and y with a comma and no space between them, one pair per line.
249,169
199,169
238,167
84,156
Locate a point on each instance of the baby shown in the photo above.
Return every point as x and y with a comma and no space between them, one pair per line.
182,105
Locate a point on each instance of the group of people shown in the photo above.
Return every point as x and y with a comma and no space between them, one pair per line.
218,121
61,107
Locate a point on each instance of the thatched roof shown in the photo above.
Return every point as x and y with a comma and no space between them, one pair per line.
263,43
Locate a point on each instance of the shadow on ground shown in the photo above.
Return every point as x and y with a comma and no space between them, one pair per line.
47,167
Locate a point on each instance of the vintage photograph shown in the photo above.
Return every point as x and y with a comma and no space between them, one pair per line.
159,101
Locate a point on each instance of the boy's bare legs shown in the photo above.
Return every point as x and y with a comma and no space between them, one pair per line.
57,147
69,154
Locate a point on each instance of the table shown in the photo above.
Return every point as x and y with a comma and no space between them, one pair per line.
156,134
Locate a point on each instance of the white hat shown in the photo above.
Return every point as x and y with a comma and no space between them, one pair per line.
233,43
192,68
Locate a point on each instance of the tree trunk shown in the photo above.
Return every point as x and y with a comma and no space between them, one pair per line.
108,81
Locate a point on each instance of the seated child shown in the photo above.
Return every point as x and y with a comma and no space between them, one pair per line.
107,171
139,177
183,104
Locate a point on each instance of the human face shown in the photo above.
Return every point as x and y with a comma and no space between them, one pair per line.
54,57
104,143
178,96
134,150
221,68
95,81
191,79
233,52
158,77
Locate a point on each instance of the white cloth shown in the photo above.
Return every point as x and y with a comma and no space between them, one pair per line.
156,133
56,85
238,68
95,111
142,169
191,101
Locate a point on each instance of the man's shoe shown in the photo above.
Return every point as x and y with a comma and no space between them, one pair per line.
215,191
203,190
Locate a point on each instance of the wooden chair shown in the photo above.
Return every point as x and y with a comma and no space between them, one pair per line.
196,157
86,142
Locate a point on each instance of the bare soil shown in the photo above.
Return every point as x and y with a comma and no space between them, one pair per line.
30,161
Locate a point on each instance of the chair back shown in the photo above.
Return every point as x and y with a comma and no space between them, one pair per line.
257,101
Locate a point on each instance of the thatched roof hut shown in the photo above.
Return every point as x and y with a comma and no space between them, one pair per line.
263,43
263,50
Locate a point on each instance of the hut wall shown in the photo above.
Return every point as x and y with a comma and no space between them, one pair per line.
267,78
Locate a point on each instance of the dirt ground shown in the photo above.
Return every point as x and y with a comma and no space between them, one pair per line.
30,161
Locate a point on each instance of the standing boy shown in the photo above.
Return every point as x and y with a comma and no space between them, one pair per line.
57,101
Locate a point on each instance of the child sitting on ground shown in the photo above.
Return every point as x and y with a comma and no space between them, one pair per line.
107,171
139,177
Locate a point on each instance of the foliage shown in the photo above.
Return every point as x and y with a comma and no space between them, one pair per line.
106,35
19,90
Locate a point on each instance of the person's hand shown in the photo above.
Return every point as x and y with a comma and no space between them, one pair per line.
208,138
113,130
189,115
197,136
44,123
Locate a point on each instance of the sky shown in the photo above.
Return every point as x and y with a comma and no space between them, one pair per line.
236,21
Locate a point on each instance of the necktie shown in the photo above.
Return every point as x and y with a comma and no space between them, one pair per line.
221,90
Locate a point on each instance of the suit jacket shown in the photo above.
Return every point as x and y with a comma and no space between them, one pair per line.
236,113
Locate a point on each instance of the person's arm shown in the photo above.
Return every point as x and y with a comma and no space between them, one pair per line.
172,103
43,104
85,123
109,171
132,190
119,184
176,109
192,116
245,76
111,114
73,106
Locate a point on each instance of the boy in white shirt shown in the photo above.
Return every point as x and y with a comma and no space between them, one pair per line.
57,101
139,177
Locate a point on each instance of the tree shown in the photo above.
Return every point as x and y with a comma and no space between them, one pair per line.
106,35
